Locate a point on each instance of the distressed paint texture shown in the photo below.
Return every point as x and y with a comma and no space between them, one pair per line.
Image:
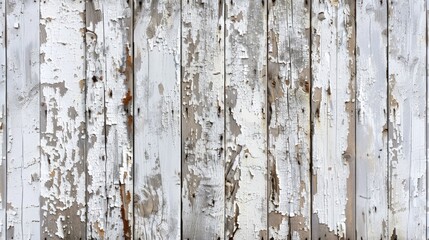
95,126
407,119
371,123
203,119
109,119
119,85
333,116
62,77
289,119
3,144
157,168
246,120
23,130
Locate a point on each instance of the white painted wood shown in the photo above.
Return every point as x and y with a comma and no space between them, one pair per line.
96,216
62,76
246,123
333,105
23,129
157,168
203,155
407,119
118,29
371,125
289,119
3,142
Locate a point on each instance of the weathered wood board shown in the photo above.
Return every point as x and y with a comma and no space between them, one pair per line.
23,129
333,116
246,120
289,120
157,119
63,128
227,119
109,91
203,133
407,101
371,120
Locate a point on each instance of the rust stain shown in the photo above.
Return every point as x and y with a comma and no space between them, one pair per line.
127,99
124,206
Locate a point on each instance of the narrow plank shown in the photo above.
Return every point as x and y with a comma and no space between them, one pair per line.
407,119
203,155
62,78
289,119
157,171
3,142
96,215
246,120
119,82
23,155
371,124
333,115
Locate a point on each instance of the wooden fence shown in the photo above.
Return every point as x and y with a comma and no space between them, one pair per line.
213,119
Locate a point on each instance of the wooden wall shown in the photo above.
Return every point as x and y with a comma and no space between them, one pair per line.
213,119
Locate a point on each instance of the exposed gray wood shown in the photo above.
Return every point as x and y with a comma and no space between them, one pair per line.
333,116
118,41
289,119
203,119
3,142
407,119
246,120
157,168
23,129
371,125
96,201
62,77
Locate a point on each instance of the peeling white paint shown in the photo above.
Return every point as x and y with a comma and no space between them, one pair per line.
333,118
407,119
246,120
157,167
289,119
371,123
62,77
203,154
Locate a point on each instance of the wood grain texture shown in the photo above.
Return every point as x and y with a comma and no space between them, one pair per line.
23,155
119,85
333,115
371,125
289,119
3,132
62,77
407,119
203,155
109,84
246,120
157,171
96,200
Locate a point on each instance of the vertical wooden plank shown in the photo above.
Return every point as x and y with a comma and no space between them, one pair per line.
96,215
246,123
109,119
23,167
119,82
62,76
157,169
371,124
289,119
333,114
407,119
3,143
203,119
